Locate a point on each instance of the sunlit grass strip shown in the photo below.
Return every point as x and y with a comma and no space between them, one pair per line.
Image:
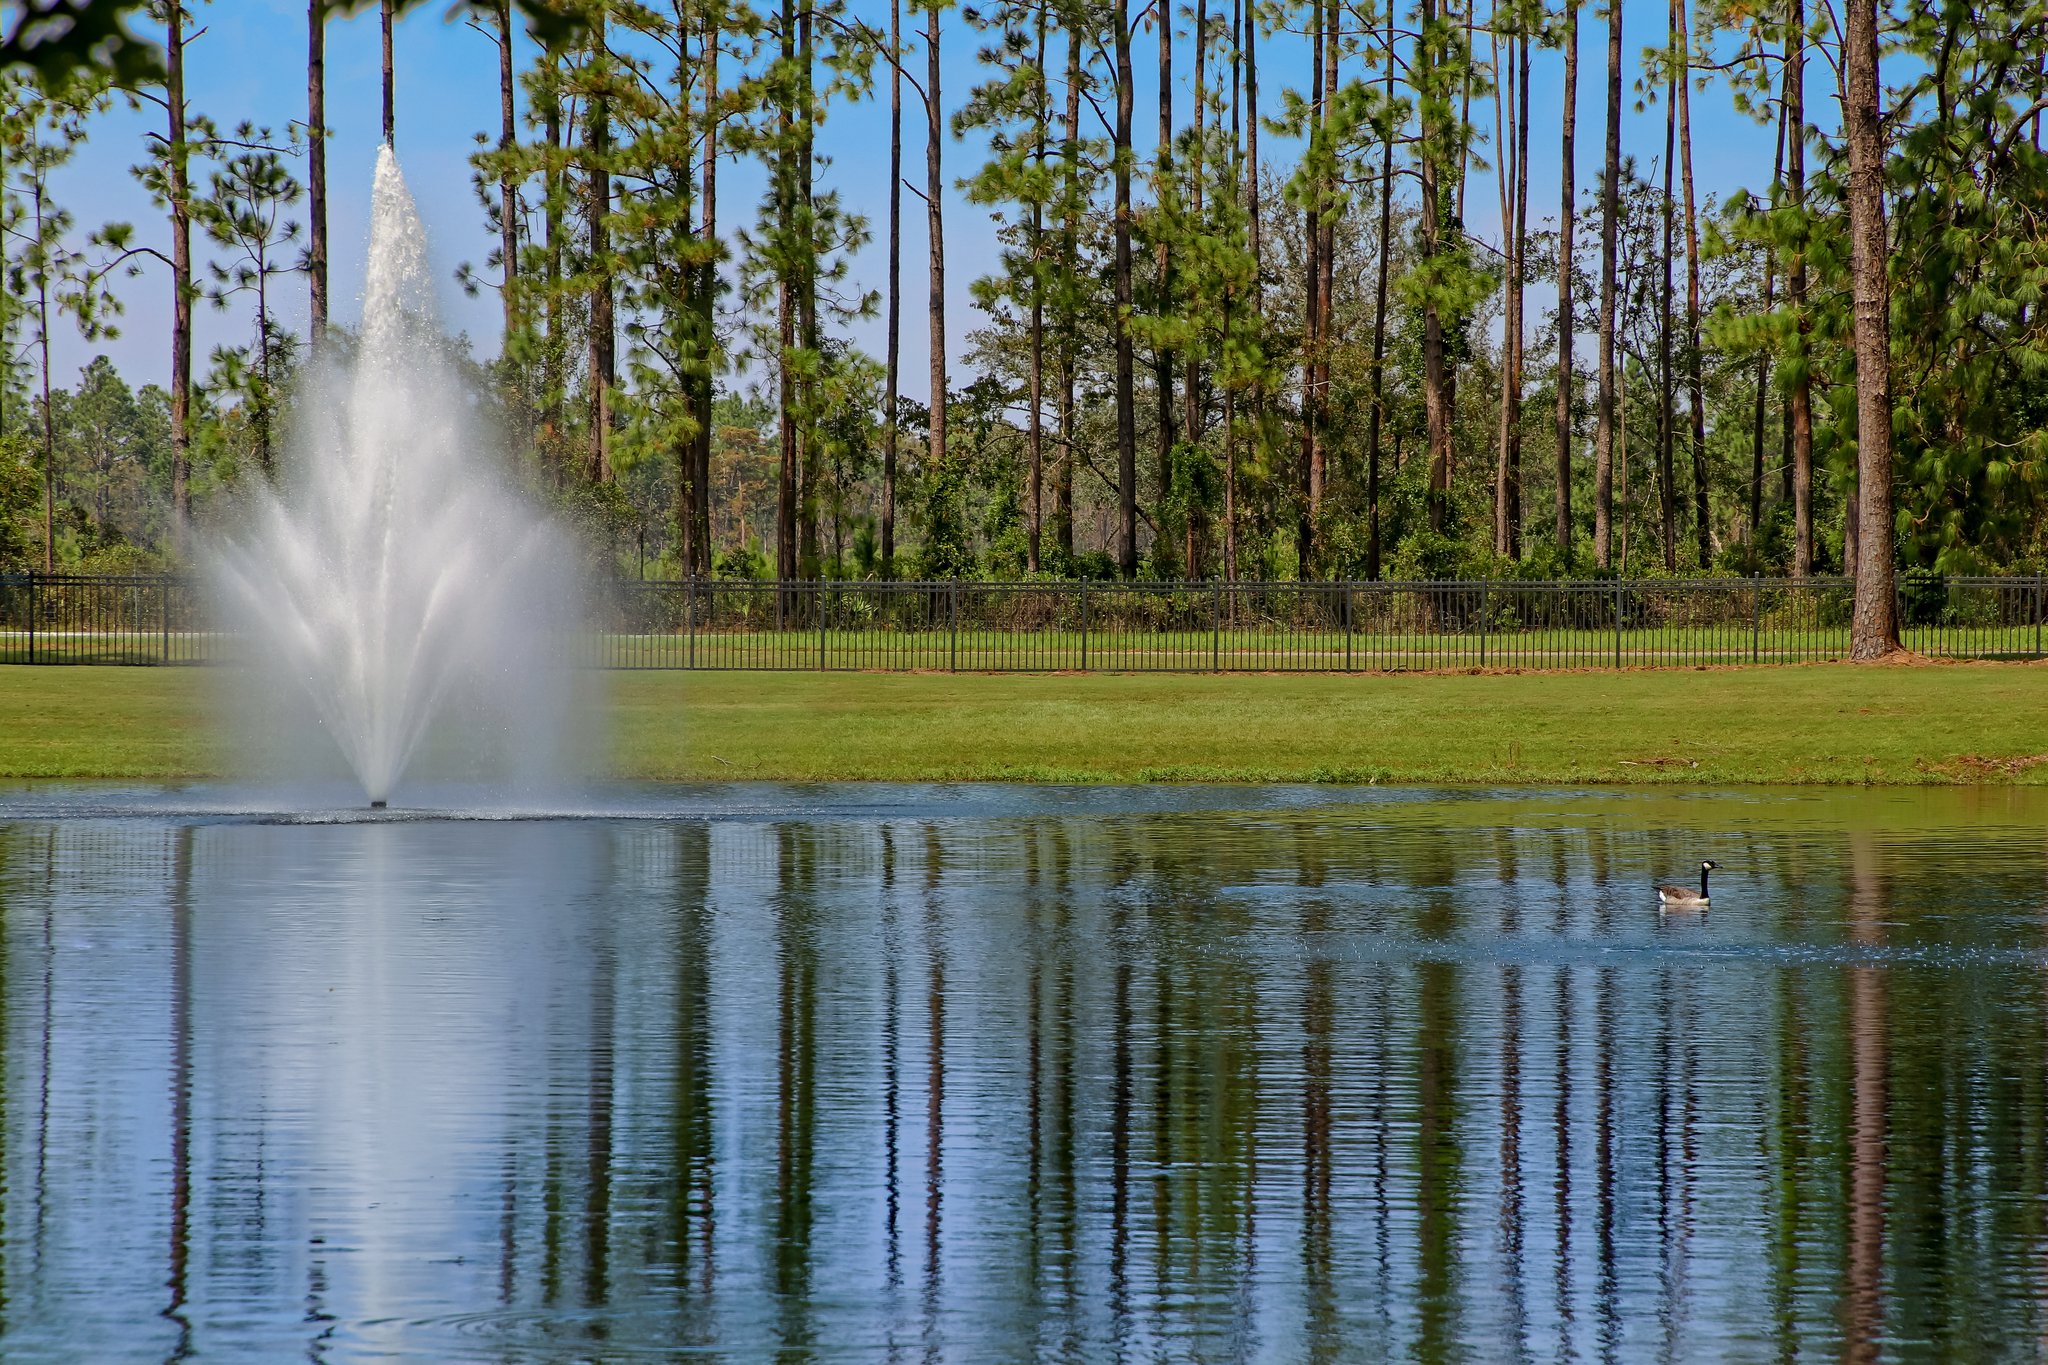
1939,724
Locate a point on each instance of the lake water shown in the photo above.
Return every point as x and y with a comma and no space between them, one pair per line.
984,1073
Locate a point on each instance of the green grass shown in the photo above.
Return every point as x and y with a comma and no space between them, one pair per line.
1818,724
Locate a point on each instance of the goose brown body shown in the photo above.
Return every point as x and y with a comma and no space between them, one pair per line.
1670,895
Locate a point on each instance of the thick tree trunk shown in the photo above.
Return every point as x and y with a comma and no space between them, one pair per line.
1565,381
1874,630
316,167
1610,220
1126,413
178,152
1799,388
894,344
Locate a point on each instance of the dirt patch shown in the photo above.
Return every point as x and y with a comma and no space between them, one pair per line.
1978,768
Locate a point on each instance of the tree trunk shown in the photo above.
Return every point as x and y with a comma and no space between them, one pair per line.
316,166
1034,512
1610,216
508,200
49,423
1799,395
1311,313
1763,369
1667,491
1164,213
894,343
1696,387
935,185
1511,122
1376,419
1070,256
707,304
1874,631
390,87
597,136
1191,367
786,286
1328,206
1436,391
1126,413
1565,382
811,471
553,380
177,152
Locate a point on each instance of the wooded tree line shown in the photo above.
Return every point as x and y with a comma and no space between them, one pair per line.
1197,357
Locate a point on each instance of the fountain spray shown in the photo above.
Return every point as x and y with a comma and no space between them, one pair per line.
396,574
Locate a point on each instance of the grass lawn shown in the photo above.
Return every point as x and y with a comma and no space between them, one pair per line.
1819,724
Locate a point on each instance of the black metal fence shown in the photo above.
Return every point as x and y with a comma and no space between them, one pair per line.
1193,627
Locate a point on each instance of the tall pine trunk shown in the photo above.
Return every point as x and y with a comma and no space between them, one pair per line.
1164,213
894,343
390,83
1376,419
1763,367
316,166
1667,492
1799,387
1126,412
707,302
1070,264
178,152
935,221
1874,629
597,141
1565,381
508,200
1436,380
1311,313
1035,418
1695,378
1610,223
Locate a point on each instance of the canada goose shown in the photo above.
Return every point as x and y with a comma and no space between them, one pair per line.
1680,895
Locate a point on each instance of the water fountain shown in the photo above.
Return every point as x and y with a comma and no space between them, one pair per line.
395,575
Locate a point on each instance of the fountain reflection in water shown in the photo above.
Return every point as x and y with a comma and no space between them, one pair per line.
395,575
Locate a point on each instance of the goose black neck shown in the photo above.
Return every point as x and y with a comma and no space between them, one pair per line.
1703,883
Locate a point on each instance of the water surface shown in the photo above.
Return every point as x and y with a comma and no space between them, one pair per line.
986,1073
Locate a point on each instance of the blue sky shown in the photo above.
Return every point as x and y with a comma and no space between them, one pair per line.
249,63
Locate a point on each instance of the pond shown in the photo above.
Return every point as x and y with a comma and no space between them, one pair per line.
987,1073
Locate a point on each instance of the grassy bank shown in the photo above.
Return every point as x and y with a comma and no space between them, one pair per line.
1821,724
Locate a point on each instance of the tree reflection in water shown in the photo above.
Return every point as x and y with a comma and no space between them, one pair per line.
1311,1079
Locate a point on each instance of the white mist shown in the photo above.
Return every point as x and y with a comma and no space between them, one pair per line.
395,576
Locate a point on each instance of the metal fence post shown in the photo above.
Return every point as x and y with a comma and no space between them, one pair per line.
1756,617
2037,618
1617,622
822,601
1485,599
690,622
1084,625
166,603
33,610
953,644
1216,628
1348,585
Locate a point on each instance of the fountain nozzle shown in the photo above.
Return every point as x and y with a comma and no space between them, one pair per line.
377,805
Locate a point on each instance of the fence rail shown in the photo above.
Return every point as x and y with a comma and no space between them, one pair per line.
1192,627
